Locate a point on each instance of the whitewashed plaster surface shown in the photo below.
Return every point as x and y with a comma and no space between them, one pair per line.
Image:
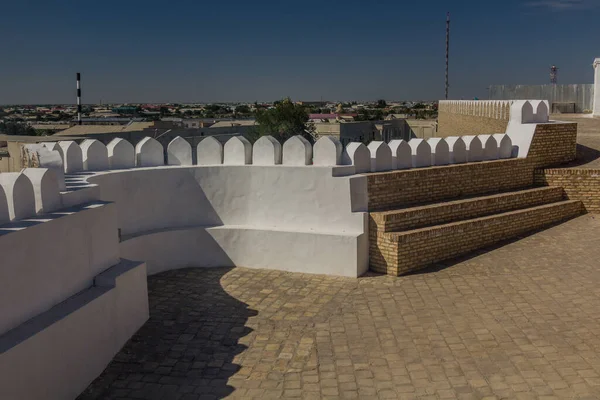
457,149
72,246
179,152
358,155
401,154
56,354
596,110
300,201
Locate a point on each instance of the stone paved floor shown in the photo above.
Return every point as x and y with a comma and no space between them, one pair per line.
588,139
520,321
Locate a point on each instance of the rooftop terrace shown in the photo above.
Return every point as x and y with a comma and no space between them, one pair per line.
519,321
256,220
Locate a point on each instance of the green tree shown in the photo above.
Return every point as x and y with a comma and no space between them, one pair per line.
363,115
283,121
381,104
242,109
16,128
164,111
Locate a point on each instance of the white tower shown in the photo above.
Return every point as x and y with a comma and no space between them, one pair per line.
597,87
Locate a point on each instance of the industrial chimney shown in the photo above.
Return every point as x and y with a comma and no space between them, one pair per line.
78,98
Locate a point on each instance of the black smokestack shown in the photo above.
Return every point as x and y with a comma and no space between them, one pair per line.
447,51
78,98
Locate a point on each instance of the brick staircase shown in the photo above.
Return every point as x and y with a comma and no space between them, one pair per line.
408,239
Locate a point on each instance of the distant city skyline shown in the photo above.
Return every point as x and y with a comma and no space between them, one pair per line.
245,52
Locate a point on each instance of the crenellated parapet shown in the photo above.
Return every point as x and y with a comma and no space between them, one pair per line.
488,116
26,194
496,109
51,161
77,161
474,116
42,186
68,157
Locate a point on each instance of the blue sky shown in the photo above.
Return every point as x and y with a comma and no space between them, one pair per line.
187,51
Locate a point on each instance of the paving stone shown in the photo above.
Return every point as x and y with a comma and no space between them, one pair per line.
519,321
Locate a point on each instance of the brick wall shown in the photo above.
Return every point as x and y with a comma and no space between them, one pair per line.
578,184
397,254
420,185
442,213
451,124
552,144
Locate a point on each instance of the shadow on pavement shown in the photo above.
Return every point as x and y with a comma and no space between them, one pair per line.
585,155
187,347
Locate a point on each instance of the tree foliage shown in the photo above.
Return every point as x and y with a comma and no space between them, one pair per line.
381,104
16,128
283,121
369,115
242,109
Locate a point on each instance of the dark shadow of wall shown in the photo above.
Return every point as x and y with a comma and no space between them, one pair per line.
186,347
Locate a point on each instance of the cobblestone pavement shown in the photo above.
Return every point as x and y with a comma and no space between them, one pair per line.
520,321
588,139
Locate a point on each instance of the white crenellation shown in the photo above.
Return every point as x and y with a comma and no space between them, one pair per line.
497,109
121,154
237,151
54,146
504,145
401,154
420,152
297,151
40,156
72,157
45,189
266,151
209,152
490,147
179,152
357,154
149,153
381,156
521,112
540,110
20,196
327,151
474,148
95,155
457,149
440,151
4,214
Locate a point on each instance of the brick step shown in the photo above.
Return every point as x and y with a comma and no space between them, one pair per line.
397,253
458,210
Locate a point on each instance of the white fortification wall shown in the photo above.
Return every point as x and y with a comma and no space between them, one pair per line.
252,216
68,301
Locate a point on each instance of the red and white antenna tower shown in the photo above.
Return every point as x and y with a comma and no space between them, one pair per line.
553,74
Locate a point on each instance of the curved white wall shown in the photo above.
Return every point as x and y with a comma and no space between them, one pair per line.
254,202
280,197
229,246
